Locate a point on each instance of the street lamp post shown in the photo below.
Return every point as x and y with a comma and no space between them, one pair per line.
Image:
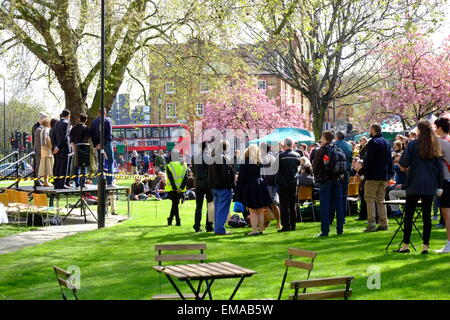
4,114
160,100
101,207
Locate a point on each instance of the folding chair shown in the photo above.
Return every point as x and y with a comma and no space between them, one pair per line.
11,195
40,206
352,194
323,282
63,278
297,264
178,257
21,202
4,198
305,194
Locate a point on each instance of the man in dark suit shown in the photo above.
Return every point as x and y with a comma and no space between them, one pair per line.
109,151
287,163
62,148
79,136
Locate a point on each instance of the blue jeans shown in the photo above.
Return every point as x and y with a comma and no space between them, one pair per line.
80,181
222,202
331,196
109,162
344,187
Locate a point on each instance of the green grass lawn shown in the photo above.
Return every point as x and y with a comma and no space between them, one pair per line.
7,230
116,263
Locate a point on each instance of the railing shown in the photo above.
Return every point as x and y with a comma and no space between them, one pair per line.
15,153
16,165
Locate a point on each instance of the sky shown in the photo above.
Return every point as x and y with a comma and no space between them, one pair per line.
38,91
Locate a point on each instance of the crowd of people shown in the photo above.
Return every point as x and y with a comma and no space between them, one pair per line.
266,182
62,150
415,168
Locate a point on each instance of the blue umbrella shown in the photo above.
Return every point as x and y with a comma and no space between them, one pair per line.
279,134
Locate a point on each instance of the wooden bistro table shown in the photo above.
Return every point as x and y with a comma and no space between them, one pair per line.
401,220
207,272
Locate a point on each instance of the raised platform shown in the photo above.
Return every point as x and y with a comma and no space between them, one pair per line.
91,188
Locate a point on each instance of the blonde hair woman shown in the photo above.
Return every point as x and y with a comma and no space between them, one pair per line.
46,164
251,190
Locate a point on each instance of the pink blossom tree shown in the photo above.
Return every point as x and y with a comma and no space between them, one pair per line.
418,81
244,106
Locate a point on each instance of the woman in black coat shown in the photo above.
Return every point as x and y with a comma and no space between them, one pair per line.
251,189
424,180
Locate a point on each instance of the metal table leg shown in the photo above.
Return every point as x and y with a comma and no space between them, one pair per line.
237,287
196,292
400,226
208,289
175,287
128,203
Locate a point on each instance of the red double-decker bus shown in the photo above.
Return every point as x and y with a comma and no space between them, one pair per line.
150,137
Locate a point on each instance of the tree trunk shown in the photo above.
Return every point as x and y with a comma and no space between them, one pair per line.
70,84
319,109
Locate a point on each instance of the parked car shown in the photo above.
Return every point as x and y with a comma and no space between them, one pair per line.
24,169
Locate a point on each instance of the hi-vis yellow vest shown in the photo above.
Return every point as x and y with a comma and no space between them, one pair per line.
178,171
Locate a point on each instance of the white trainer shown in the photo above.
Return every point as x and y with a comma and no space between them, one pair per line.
445,249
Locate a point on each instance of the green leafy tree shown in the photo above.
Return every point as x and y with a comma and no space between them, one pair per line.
64,36
330,49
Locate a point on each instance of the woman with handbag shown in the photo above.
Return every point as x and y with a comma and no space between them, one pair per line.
47,162
252,191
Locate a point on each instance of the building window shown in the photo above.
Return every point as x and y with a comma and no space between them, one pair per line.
262,84
199,109
170,88
171,110
204,87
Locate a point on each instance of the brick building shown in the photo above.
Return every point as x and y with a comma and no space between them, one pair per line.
182,99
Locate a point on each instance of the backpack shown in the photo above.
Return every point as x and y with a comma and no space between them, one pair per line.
35,220
237,222
335,161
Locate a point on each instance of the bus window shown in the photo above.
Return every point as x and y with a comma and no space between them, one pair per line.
155,132
177,132
148,132
118,133
134,133
153,143
166,132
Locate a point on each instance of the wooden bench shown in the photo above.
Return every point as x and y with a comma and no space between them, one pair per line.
294,252
171,257
323,282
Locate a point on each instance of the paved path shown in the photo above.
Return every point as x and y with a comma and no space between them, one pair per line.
30,238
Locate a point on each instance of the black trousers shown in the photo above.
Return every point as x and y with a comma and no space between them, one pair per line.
36,163
199,196
287,207
61,164
174,211
411,205
363,208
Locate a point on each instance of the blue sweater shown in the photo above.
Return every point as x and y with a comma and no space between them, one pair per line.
347,149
